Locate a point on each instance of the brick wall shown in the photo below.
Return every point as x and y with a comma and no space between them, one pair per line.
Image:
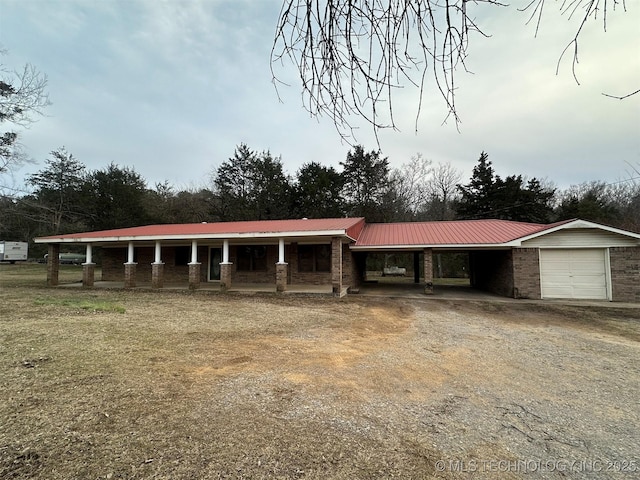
351,275
303,278
492,271
625,273
526,273
261,276
113,260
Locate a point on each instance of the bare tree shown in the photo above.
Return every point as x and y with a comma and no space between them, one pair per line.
410,183
352,55
442,188
22,95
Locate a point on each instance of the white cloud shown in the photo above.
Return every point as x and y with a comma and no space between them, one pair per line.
171,87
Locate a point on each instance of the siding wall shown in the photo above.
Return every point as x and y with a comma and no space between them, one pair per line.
581,237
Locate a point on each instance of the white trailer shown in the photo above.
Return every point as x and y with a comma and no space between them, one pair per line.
14,251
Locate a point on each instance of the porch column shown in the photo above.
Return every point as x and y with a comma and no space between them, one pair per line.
281,268
225,268
88,268
53,264
416,267
336,266
194,267
157,268
130,268
428,271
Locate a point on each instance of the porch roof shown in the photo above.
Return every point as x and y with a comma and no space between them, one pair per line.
346,227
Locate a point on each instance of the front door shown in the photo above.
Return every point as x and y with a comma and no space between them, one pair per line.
215,257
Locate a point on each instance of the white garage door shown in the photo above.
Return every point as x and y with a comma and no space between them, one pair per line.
573,274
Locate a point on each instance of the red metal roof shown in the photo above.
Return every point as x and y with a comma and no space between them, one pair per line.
377,235
462,232
347,225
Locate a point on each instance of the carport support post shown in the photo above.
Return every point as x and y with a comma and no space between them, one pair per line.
130,268
157,269
194,267
225,268
336,266
53,264
88,269
428,271
416,267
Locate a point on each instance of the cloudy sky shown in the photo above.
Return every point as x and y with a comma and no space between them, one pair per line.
171,87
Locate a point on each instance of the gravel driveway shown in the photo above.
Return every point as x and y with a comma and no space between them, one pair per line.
215,386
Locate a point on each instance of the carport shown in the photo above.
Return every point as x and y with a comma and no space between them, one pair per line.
574,259
486,243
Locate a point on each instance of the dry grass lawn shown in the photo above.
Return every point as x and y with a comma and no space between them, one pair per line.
140,384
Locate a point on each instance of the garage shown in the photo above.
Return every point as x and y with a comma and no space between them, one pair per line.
574,273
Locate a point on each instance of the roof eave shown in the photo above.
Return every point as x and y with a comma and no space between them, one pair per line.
450,246
576,223
197,236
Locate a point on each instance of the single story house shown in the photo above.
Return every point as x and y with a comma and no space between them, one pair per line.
574,259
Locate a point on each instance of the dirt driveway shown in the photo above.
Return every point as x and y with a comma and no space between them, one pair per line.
211,386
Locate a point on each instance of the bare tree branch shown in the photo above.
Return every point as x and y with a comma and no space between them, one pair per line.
623,96
353,55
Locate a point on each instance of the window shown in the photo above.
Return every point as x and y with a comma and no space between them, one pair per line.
314,258
252,258
183,255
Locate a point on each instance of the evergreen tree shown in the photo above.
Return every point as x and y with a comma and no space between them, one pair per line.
366,185
57,193
318,192
115,198
252,186
489,196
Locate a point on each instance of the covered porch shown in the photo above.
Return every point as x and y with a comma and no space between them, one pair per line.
299,261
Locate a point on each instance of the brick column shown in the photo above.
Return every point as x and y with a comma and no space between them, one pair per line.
194,276
157,275
225,276
281,277
130,275
336,266
53,264
88,274
428,271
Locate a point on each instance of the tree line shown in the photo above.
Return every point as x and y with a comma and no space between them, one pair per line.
64,196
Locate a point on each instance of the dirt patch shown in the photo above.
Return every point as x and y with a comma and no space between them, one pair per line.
213,386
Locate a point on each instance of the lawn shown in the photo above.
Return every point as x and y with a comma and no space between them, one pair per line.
141,384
